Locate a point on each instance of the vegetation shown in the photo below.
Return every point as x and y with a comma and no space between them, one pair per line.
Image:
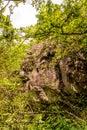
65,24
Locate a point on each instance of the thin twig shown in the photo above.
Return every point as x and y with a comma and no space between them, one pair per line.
5,6
74,116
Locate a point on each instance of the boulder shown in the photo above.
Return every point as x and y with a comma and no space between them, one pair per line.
41,74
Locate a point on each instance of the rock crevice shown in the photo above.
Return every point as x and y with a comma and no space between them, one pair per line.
37,73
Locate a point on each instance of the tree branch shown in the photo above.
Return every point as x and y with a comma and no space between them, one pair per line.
74,33
45,34
5,6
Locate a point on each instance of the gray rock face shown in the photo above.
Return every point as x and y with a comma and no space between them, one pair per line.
38,72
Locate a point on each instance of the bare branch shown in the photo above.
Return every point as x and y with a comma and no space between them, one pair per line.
5,6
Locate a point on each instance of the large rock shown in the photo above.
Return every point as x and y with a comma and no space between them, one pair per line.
40,74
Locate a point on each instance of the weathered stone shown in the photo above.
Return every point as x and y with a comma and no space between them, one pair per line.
68,74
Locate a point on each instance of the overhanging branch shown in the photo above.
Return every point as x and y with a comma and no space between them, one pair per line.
74,33
5,6
62,33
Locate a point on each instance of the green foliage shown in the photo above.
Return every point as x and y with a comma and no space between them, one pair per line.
66,25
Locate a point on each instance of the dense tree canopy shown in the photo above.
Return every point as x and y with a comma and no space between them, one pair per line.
66,25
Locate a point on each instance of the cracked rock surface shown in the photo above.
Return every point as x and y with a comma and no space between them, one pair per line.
40,74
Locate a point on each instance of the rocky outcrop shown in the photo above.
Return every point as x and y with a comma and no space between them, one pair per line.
41,74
